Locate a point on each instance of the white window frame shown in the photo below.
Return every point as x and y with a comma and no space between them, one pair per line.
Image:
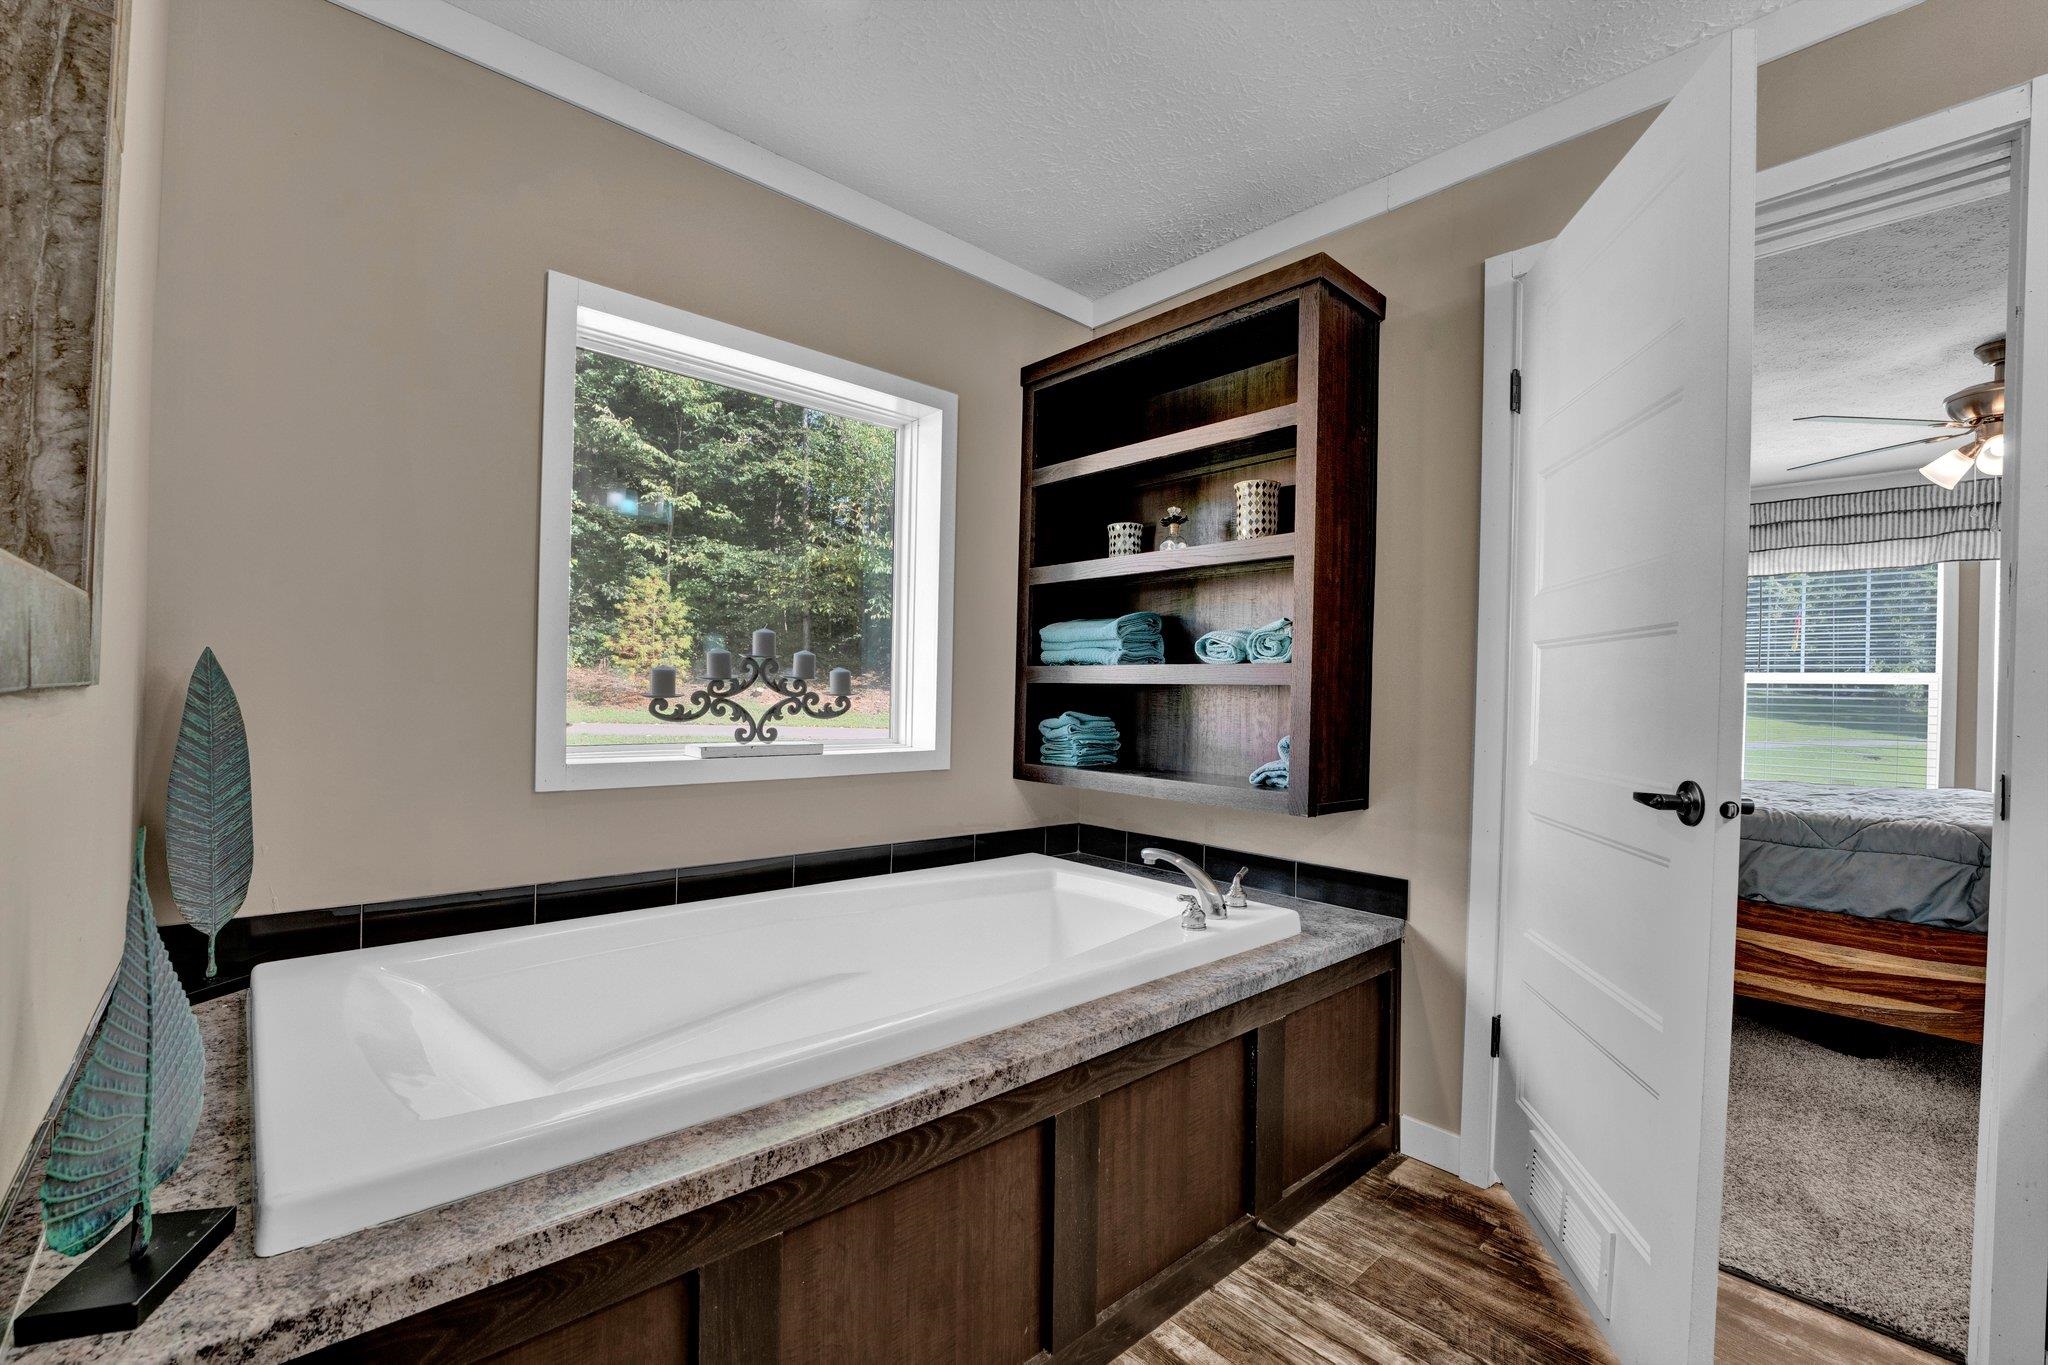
583,315
1940,684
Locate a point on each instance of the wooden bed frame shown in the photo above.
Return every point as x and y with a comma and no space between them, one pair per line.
1910,976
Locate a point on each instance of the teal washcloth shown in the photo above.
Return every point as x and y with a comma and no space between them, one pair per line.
1224,647
1273,776
1272,643
1058,760
1077,725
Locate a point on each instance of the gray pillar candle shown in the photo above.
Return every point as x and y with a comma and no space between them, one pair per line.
803,664
841,684
764,644
664,683
718,665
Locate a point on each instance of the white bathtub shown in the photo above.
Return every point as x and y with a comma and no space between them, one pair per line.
393,1079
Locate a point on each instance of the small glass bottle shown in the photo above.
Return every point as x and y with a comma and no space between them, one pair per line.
1169,529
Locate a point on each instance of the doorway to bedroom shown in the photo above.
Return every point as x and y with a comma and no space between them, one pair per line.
1613,741
1869,726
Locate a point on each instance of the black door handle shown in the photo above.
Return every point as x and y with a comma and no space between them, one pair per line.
1731,809
1689,803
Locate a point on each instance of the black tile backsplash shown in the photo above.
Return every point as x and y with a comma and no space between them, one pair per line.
1005,843
1353,890
1098,841
923,853
604,895
467,912
742,878
246,943
1263,874
1310,881
838,864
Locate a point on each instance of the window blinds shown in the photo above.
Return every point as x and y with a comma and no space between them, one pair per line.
1842,681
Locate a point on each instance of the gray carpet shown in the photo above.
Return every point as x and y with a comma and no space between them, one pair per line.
1849,1180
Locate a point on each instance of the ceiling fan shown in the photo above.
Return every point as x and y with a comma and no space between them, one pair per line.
1975,415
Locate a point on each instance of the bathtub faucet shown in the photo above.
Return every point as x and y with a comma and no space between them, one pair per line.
1207,899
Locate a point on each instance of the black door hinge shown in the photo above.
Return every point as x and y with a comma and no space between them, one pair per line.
2004,796
1494,1048
1514,390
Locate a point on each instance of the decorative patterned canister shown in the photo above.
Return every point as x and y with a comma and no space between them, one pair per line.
1126,537
1258,508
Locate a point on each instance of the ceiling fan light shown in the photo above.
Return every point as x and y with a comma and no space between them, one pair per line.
1948,468
1991,459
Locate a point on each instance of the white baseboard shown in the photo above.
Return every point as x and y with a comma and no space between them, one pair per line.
1430,1144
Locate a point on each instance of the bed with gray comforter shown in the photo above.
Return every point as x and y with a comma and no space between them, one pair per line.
1922,855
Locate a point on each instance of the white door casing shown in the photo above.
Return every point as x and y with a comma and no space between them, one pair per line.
1629,513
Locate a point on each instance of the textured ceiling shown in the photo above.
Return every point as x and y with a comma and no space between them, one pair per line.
1097,142
1880,323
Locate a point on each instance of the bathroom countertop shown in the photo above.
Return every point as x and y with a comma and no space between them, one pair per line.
238,1307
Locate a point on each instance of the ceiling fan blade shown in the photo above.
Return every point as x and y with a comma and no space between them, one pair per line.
1882,421
1879,450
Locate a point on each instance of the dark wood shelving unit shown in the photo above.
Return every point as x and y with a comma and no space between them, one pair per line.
1274,378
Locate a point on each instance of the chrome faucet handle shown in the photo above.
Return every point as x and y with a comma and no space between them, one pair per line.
1191,915
1233,899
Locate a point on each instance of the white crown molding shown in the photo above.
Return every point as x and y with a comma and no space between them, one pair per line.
1798,25
464,35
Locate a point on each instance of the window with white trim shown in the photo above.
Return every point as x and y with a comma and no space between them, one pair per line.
701,482
1843,682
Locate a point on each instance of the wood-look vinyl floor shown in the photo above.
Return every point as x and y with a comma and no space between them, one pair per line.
1411,1264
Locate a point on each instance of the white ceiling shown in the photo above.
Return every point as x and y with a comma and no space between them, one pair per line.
1097,142
1879,323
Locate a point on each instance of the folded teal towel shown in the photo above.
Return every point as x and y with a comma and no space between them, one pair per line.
1076,739
1273,776
1272,643
1132,638
1130,627
1224,647
1153,652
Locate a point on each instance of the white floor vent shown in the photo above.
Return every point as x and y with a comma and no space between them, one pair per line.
1574,1223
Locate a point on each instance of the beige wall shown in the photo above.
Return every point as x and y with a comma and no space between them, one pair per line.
1428,258
356,229
67,758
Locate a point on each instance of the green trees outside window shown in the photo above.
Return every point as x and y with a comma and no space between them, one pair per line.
702,512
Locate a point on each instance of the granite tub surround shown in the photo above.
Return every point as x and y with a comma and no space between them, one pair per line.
239,1308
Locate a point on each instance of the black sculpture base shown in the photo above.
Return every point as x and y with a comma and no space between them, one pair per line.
107,1292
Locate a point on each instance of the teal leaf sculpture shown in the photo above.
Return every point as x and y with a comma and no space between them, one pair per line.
131,1114
209,840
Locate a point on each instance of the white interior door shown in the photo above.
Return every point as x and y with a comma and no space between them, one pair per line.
1631,490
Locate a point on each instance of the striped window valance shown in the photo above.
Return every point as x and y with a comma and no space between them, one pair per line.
1880,528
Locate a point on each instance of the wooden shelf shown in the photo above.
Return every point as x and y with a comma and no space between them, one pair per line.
1213,789
1218,555
1275,379
1216,436
1163,675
